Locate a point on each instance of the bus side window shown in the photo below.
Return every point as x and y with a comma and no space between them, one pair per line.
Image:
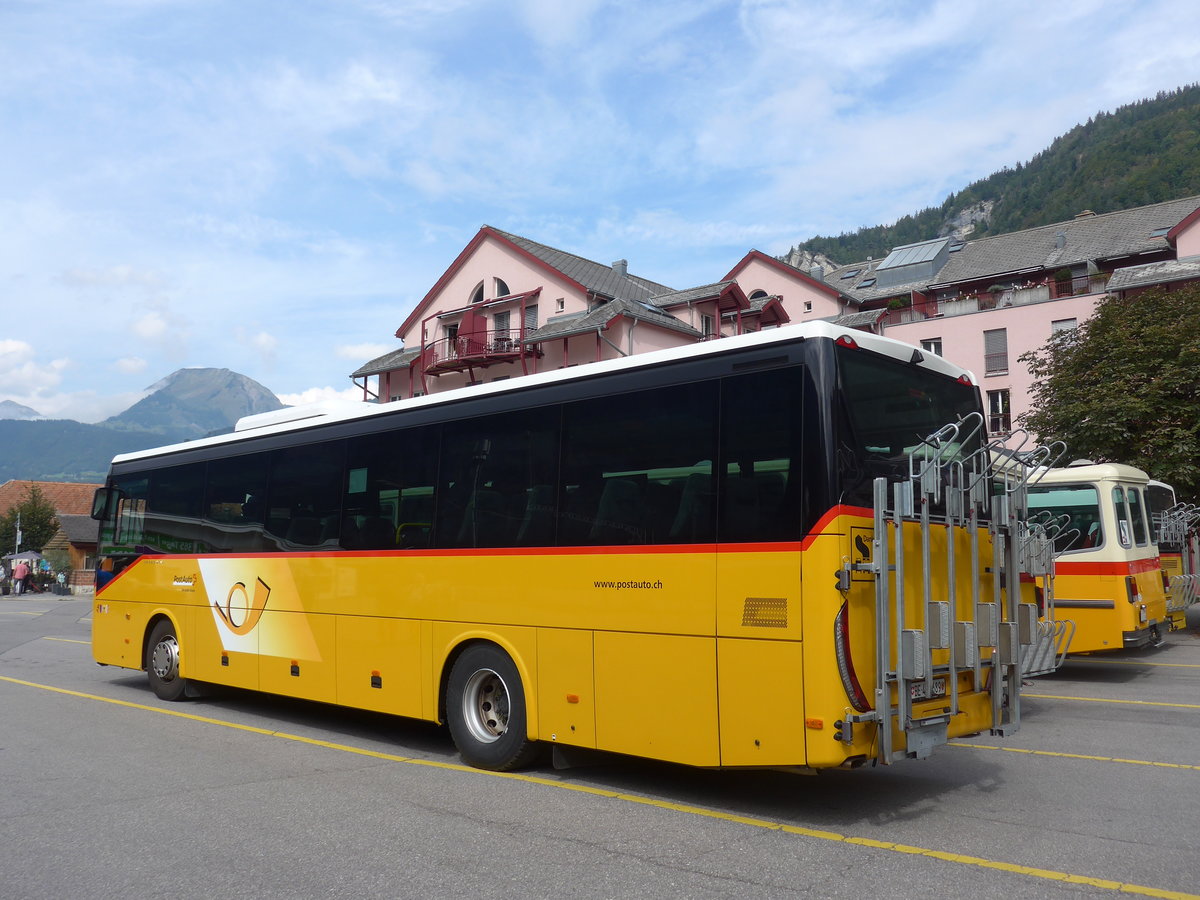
387,501
638,468
235,503
1137,511
492,468
762,449
304,502
1124,534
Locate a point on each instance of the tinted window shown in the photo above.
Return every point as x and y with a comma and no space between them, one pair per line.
1124,534
638,468
304,503
763,493
389,492
1138,514
496,487
236,503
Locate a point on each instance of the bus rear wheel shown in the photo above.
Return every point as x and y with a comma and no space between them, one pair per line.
162,662
485,709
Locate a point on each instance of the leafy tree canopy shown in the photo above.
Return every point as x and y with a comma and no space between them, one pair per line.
1125,386
38,523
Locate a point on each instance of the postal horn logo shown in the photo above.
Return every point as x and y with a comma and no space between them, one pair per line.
251,608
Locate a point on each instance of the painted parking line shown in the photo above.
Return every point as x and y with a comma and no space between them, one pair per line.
1084,756
1109,700
19,612
1134,662
67,640
750,821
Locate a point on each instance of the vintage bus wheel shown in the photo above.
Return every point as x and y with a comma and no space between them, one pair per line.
485,708
162,662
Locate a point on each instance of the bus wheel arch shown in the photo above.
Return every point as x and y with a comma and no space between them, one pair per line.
486,707
161,658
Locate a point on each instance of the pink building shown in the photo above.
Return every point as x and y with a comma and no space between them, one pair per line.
508,306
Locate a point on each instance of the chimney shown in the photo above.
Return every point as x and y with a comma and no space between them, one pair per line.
1085,214
1060,240
621,267
817,273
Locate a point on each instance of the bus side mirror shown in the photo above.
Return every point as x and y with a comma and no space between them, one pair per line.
102,503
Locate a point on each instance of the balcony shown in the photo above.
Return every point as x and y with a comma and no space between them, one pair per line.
476,350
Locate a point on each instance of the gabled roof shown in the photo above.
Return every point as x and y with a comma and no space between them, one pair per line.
396,359
584,274
691,295
783,267
65,497
79,529
602,316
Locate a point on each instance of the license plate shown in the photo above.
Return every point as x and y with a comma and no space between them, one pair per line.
919,690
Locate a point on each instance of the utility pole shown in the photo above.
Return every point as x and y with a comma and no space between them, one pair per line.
17,549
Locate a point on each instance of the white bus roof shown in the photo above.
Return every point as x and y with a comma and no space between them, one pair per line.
1094,472
301,417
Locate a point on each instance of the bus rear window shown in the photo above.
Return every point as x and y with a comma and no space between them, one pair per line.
891,407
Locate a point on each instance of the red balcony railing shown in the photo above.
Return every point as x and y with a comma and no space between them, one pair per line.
477,349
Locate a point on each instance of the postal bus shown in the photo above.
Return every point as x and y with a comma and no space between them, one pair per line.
691,555
1174,528
1107,576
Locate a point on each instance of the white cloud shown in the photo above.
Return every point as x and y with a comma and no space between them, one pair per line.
322,395
363,352
130,365
150,327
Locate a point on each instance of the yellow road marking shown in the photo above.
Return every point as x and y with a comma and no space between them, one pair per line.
1113,759
66,640
1107,700
19,612
1133,662
750,821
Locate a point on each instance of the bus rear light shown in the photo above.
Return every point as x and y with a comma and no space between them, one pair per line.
1131,589
846,341
841,641
963,379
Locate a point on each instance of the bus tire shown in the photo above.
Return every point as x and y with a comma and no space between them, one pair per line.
162,662
485,709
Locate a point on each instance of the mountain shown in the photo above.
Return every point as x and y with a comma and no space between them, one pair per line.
191,403
11,410
187,404
1143,153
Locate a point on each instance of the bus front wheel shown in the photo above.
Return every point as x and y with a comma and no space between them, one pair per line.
485,709
162,662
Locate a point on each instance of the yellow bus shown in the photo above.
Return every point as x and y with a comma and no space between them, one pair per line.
1107,577
768,550
1175,532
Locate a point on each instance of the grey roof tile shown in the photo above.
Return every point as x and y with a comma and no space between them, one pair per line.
565,326
1155,273
396,359
594,276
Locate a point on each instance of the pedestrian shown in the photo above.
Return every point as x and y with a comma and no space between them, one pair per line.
20,576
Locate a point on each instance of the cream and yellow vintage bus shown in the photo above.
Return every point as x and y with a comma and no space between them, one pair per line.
768,550
1108,578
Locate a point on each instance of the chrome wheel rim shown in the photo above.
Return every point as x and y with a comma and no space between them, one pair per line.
485,706
164,659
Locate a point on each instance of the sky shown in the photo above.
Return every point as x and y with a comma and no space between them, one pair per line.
270,187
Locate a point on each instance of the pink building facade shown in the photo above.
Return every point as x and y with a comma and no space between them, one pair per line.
508,306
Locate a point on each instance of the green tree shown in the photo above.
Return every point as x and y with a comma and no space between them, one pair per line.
38,522
1125,386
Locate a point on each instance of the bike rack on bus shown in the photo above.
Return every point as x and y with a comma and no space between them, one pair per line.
1004,637
1178,526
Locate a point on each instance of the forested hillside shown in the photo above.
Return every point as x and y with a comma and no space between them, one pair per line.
1143,153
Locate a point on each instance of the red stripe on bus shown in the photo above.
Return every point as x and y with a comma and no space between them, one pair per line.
1133,567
